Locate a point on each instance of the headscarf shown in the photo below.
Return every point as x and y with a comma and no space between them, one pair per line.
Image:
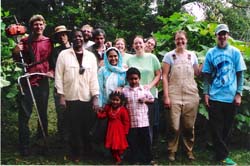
118,68
110,77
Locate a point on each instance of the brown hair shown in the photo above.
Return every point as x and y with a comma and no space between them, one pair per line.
36,17
122,39
181,32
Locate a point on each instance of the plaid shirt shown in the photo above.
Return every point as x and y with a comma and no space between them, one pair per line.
138,111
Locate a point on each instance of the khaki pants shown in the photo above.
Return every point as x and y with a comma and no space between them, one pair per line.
182,119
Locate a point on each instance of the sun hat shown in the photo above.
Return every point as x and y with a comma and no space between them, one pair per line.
220,28
61,28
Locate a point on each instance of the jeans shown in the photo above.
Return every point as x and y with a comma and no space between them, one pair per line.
25,104
221,117
140,145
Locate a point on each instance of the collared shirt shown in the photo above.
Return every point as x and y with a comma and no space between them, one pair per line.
69,82
42,49
138,111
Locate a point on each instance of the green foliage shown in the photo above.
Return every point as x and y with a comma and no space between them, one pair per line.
199,33
200,38
9,70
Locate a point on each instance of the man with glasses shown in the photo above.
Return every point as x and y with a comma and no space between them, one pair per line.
77,84
223,84
87,36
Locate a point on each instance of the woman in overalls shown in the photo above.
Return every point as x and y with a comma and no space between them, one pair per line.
180,95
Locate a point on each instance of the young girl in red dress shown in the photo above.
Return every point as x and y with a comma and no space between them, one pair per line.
118,125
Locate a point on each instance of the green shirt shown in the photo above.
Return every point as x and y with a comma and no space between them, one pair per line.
147,64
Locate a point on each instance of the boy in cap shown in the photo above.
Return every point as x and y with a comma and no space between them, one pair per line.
223,84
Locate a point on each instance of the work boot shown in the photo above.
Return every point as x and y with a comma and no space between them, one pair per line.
171,156
190,155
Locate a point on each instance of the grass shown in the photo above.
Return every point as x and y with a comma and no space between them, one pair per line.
57,152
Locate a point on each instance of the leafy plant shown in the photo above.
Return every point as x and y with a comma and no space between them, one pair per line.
9,70
201,37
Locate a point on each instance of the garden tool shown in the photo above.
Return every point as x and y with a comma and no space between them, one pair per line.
14,30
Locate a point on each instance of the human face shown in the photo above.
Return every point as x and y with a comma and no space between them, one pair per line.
138,45
115,102
99,40
150,45
77,39
63,38
222,38
134,80
113,57
180,41
38,27
87,34
120,45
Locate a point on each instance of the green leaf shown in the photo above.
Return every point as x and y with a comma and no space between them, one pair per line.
4,83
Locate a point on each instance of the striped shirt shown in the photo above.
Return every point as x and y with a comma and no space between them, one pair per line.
138,111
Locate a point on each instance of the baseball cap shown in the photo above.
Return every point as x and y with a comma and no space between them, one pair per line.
220,28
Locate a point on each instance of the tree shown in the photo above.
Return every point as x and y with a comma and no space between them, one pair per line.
235,13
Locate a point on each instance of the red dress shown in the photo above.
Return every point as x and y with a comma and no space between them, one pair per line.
118,127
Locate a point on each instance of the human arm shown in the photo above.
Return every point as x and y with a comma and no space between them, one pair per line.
102,113
94,85
165,76
59,75
157,72
240,80
125,120
148,98
101,82
196,66
155,80
207,80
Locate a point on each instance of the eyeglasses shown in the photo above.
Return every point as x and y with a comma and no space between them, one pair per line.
81,70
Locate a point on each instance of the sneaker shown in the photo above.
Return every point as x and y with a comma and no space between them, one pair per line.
228,162
171,156
153,163
190,156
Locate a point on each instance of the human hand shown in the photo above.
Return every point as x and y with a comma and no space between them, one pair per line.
141,100
62,101
167,102
118,90
95,103
237,99
50,74
147,87
18,48
206,98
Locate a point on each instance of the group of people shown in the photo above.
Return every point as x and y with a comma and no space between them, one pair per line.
95,81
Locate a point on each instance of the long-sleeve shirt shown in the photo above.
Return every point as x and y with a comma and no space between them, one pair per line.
39,60
138,111
69,82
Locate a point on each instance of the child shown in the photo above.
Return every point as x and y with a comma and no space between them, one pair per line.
118,125
137,97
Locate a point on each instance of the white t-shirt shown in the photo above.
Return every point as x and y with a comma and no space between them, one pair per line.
169,57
